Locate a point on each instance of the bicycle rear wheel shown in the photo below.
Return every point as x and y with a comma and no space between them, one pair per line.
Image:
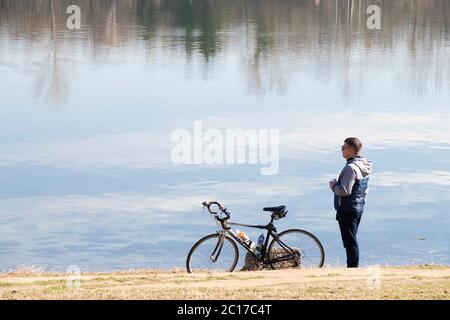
213,253
296,248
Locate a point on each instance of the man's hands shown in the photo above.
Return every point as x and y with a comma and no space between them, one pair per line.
332,183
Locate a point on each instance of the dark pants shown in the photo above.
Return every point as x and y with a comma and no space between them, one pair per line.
349,228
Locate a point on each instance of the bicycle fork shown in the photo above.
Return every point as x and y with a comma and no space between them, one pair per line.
215,254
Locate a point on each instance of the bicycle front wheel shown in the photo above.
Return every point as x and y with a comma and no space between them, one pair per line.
214,252
296,248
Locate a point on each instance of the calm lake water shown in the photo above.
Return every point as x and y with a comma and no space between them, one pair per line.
86,118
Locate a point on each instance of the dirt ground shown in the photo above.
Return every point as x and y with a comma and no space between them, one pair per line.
420,282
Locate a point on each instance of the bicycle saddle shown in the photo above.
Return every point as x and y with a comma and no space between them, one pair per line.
275,209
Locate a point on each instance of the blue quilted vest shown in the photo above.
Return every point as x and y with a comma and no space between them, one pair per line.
352,205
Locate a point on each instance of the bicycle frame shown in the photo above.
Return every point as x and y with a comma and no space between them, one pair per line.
224,228
271,232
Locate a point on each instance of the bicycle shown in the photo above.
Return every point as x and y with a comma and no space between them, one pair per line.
219,251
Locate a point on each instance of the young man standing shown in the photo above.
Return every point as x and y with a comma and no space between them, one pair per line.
350,191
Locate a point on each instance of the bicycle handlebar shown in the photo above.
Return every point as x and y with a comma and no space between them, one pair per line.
221,207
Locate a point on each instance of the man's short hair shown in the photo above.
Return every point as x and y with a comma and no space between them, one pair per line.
354,143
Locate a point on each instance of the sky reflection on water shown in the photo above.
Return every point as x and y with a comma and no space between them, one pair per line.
86,118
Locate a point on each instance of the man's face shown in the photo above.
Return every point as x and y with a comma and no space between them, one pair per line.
347,152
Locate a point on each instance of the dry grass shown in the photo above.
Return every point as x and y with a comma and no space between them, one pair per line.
421,282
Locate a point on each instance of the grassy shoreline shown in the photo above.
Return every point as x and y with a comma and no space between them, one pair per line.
395,282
